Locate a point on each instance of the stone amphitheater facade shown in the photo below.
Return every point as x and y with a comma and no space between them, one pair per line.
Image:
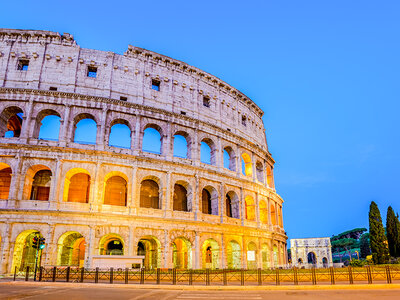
176,211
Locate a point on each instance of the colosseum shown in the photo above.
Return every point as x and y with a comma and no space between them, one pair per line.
94,190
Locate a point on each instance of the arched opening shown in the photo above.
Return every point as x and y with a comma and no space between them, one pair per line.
263,212
24,254
250,208
111,244
265,256
247,168
71,250
233,255
41,185
47,125
251,256
182,147
229,159
260,171
311,258
120,134
150,248
85,129
300,261
209,201
149,194
77,186
207,151
273,214
232,205
276,259
5,180
325,262
152,139
210,254
270,178
280,216
115,191
180,198
182,253
11,122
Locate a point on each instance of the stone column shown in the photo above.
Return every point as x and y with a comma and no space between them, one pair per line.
102,128
222,202
167,143
5,252
219,159
253,167
90,248
64,139
197,251
135,199
223,263
167,258
137,140
54,186
195,148
242,206
196,197
269,213
166,200
26,123
238,162
257,208
130,242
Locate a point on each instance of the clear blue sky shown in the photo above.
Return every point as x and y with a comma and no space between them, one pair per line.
326,74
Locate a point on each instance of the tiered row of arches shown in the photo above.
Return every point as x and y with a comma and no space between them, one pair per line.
147,135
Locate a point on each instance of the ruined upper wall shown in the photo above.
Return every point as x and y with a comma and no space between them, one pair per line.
56,61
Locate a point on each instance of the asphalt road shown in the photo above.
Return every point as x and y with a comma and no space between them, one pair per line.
88,291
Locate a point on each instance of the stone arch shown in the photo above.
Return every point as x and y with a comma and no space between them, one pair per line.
150,193
250,208
77,185
150,248
263,212
120,134
210,254
270,177
41,124
252,254
234,255
325,262
247,165
37,183
11,121
71,249
153,138
280,221
229,158
311,258
232,202
209,200
90,132
5,180
183,197
111,244
115,189
300,261
178,138
265,256
208,151
24,254
273,214
260,171
275,255
182,253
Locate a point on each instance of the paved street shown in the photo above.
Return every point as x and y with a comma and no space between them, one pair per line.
89,291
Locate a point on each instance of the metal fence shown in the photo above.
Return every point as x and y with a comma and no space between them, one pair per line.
294,276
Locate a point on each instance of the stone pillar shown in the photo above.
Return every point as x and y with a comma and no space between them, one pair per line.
54,186
219,159
130,242
167,258
242,206
15,179
135,200
167,143
102,128
195,148
64,139
90,248
269,213
197,248
137,140
223,263
26,123
222,208
244,253
253,167
257,208
5,252
196,197
238,162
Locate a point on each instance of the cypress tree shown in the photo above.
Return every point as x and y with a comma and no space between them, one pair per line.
392,232
398,235
380,252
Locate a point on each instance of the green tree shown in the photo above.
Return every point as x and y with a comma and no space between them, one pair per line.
347,244
365,250
392,232
380,252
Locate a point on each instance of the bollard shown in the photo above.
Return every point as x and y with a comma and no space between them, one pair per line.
54,274
68,271
332,274
96,276
158,275
126,275
82,274
259,277
224,277
350,275
27,273
278,282
15,273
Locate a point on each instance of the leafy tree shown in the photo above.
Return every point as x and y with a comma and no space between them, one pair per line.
365,249
392,232
380,252
350,234
347,244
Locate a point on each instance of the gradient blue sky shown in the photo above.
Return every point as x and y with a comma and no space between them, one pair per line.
326,74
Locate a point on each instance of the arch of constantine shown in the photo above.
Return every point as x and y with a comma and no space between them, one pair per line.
95,197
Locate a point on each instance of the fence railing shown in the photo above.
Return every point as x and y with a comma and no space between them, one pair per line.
294,276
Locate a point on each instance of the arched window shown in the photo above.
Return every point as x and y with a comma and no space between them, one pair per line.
280,216
210,254
41,185
11,122
207,152
47,125
120,135
228,206
78,188
250,208
311,258
247,168
111,244
71,249
234,207
270,178
180,198
150,248
149,194
85,129
233,255
5,181
152,139
260,172
251,256
181,146
115,191
263,212
182,253
273,214
229,159
205,202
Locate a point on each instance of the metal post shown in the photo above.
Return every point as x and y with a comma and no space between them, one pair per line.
332,273
158,275
27,273
96,275
295,278
126,275
369,274
278,282
190,277
388,275
142,276
207,276
224,277
15,273
40,273
242,277
111,275
259,277
82,274
54,274
313,276
350,275
68,271
174,276
36,259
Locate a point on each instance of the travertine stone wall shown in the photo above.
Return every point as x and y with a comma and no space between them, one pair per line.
57,61
302,248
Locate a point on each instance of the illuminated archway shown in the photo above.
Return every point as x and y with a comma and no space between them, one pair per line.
275,253
24,254
71,249
247,168
210,254
182,253
251,256
5,180
265,256
263,212
233,255
250,209
77,186
150,248
111,244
